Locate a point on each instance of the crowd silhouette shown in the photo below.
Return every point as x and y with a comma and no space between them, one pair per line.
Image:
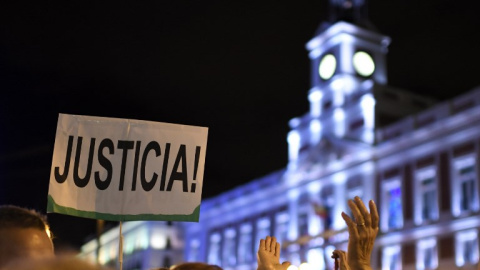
26,243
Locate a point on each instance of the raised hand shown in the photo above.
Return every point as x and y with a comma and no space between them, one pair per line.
268,255
362,230
342,256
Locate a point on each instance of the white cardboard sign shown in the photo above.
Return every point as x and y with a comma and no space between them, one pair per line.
122,169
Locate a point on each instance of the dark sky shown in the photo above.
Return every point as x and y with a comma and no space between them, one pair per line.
237,67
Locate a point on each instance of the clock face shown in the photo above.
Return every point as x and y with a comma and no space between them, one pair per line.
363,63
327,66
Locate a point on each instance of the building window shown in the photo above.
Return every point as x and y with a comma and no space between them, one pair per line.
327,202
103,255
354,192
465,185
392,258
329,262
294,140
303,215
281,227
466,248
281,231
426,195
303,224
229,244
294,258
315,98
129,243
142,239
263,229
392,211
193,254
214,249
427,257
315,258
245,245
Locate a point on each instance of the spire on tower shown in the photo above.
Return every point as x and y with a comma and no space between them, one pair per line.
352,11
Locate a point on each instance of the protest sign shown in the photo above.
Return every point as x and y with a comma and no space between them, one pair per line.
123,169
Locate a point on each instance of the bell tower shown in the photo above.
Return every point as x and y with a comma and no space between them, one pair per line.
346,61
349,96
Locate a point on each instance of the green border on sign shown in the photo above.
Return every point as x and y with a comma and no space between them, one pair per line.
52,206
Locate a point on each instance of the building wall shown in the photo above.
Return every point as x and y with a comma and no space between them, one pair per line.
415,177
146,244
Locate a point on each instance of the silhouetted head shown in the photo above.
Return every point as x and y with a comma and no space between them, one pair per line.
24,234
195,266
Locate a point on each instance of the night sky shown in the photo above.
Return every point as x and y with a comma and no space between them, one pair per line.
239,68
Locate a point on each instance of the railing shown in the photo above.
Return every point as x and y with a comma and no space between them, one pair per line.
430,116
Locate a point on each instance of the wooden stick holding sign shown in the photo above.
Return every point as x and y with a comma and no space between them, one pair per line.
123,169
120,248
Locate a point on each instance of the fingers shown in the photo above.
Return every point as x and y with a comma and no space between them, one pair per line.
342,255
286,263
273,243
374,214
350,225
357,215
361,215
277,250
363,210
337,253
270,244
262,245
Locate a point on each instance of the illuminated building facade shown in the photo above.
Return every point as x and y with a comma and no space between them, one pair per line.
146,244
361,137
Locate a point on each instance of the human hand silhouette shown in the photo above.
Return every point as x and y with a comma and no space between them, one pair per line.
268,255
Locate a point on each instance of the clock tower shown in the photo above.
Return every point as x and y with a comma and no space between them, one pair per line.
349,97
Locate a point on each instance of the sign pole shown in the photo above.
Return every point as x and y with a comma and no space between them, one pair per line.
100,225
120,249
